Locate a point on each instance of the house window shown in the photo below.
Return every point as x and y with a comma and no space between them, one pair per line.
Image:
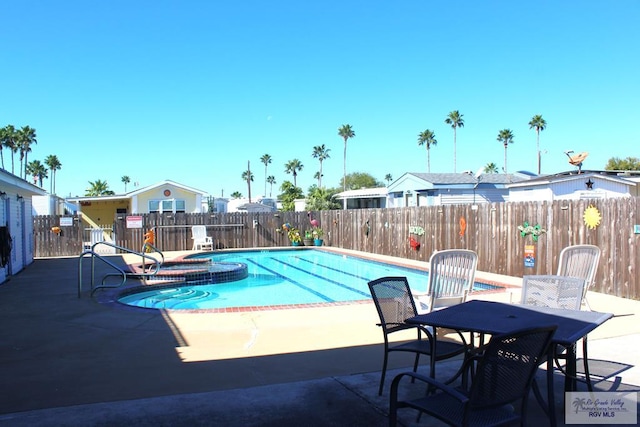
168,205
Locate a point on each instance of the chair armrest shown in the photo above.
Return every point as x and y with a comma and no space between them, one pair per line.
456,394
395,327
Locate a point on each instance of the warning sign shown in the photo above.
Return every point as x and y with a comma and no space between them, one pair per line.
134,221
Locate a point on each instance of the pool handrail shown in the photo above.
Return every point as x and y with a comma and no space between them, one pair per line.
153,270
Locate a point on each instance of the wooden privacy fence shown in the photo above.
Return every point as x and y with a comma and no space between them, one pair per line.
492,230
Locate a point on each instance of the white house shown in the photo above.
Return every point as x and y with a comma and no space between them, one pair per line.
435,189
574,186
16,223
259,204
364,198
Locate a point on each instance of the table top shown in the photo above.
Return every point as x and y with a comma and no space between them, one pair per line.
499,318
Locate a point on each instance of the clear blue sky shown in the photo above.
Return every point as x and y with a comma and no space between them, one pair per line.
193,90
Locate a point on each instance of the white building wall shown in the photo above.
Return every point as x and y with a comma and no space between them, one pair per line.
4,205
526,195
16,212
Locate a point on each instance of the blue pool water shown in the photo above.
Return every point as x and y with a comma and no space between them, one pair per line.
281,277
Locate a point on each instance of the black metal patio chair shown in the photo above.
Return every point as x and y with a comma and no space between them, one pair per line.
502,376
394,302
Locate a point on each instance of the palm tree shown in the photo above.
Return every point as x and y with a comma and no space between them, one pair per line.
491,168
539,124
346,132
456,121
26,138
427,138
236,194
125,179
506,137
54,165
293,167
265,159
271,180
247,176
321,153
37,170
10,137
388,178
98,188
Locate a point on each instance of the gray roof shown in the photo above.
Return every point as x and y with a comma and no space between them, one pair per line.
465,178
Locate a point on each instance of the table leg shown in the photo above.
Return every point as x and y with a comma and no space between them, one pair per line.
432,359
570,382
551,402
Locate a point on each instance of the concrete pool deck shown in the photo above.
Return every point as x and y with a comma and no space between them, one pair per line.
70,361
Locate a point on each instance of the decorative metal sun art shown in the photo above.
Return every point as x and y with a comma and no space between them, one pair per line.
592,217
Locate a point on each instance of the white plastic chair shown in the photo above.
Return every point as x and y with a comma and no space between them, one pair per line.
200,239
557,292
452,273
552,291
580,261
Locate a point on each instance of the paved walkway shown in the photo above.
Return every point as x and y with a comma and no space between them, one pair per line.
75,361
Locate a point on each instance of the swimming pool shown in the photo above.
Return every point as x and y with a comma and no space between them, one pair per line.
281,278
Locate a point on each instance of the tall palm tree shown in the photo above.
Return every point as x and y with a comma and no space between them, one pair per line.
247,176
54,165
456,121
98,188
10,140
265,159
125,179
37,170
321,153
271,180
427,138
539,124
26,138
491,168
346,132
293,167
388,178
506,137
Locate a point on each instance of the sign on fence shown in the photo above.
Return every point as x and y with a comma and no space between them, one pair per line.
66,221
134,221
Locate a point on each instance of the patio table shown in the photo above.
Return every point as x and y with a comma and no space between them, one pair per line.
486,317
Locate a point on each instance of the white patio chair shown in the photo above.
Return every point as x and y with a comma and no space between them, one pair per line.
201,241
557,292
580,261
552,291
452,273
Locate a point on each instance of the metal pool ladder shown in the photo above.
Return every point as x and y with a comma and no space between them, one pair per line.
154,266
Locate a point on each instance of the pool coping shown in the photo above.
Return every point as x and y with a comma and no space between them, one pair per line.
112,295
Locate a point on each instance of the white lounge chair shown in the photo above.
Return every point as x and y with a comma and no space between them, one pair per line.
201,241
